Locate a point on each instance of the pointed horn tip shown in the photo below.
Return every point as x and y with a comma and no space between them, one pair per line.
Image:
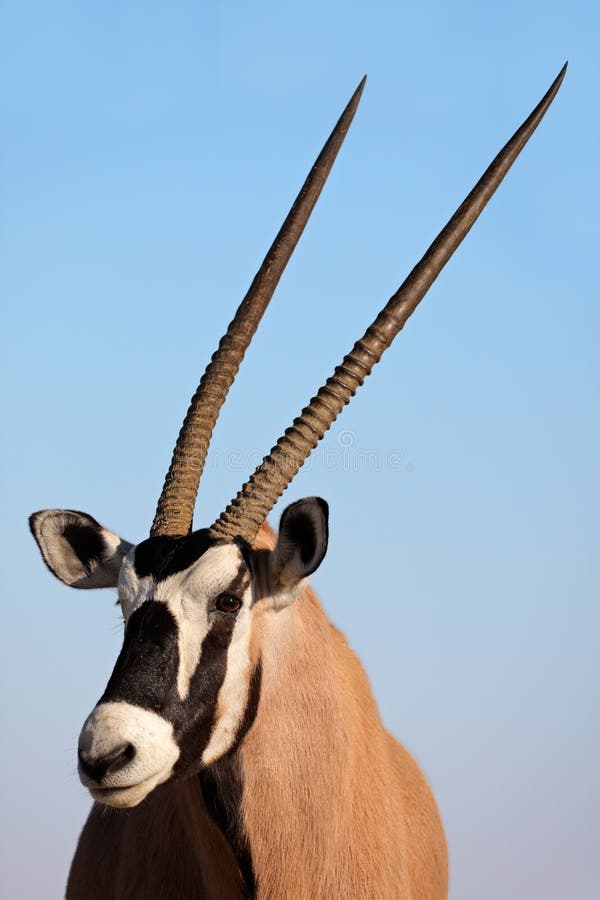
551,92
542,107
355,98
559,78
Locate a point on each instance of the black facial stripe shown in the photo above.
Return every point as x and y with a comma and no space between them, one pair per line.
145,672
197,712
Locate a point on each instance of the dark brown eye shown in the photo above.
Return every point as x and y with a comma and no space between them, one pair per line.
228,604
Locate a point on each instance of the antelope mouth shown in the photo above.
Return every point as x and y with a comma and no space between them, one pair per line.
125,796
124,779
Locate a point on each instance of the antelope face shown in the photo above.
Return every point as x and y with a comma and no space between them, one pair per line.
185,686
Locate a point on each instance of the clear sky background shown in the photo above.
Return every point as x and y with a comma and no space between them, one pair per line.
149,152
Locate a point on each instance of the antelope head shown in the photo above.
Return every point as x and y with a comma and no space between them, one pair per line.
186,682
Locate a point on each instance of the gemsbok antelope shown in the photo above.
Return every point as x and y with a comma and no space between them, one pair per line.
237,750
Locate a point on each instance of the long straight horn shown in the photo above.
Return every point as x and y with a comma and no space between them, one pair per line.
175,510
245,514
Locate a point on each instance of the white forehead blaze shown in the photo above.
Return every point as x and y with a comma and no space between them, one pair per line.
188,595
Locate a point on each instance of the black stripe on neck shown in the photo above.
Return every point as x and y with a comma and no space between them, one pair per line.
222,786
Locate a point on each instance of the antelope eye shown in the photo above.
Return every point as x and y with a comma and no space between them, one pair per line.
226,603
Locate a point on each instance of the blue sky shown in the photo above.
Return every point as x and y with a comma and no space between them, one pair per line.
149,153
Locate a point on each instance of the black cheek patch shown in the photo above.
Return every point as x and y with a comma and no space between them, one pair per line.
86,542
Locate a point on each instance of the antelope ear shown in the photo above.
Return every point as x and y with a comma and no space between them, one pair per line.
301,547
77,549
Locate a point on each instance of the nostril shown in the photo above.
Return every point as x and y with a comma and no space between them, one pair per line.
129,752
97,767
120,758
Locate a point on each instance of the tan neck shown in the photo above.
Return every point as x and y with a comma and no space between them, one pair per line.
316,764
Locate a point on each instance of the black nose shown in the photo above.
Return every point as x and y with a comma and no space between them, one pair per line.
97,767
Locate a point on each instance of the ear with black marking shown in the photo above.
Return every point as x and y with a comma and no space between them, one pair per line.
301,547
77,549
